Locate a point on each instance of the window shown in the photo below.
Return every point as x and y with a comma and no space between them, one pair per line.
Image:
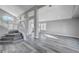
7,19
43,26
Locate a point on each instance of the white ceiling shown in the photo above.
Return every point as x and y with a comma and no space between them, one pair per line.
50,13
56,12
15,10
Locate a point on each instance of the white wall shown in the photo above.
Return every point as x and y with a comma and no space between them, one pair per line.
67,27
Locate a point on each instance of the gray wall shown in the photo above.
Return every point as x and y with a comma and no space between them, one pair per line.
67,27
59,20
3,30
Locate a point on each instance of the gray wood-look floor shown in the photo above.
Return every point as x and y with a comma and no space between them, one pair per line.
62,44
19,47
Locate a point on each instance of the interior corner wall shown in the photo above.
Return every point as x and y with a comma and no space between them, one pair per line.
67,27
